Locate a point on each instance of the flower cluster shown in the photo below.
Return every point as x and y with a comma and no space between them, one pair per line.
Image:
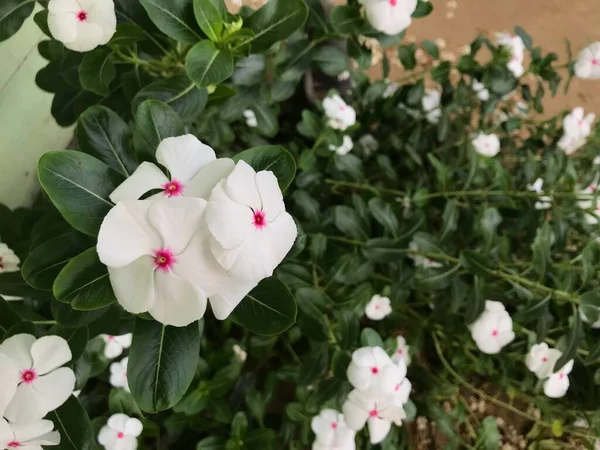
33,382
576,127
541,360
215,230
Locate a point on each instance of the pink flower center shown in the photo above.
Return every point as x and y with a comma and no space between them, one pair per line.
373,413
28,376
544,359
397,388
377,306
342,107
110,338
594,62
120,435
82,16
374,370
393,2
399,351
334,425
561,375
495,333
1,265
259,220
173,188
13,444
164,259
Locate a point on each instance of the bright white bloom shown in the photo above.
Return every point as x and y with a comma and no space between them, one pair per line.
193,168
118,374
9,262
589,198
331,431
27,436
345,148
120,433
516,48
402,352
375,409
340,114
378,307
116,344
369,366
42,384
486,144
431,105
82,25
544,201
482,93
577,128
557,384
541,359
493,328
421,261
588,62
390,90
250,118
389,16
251,231
240,353
369,143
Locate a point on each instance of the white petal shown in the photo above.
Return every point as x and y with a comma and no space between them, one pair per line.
118,422
378,429
107,437
354,415
178,302
56,387
202,184
125,234
18,349
49,353
184,156
89,36
63,26
229,222
9,379
63,6
102,13
359,376
133,427
125,341
556,387
240,186
127,443
112,349
270,194
321,424
176,220
27,405
133,285
6,433
31,430
145,178
231,294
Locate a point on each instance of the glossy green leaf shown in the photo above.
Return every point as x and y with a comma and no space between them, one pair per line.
475,263
271,157
314,365
209,17
423,9
71,420
268,309
211,443
8,316
175,18
347,19
331,60
571,343
97,71
66,316
12,15
121,402
162,363
311,320
84,283
383,213
78,185
349,222
206,64
370,338
154,121
589,306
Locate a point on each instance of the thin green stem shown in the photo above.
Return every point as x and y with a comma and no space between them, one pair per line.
291,350
44,322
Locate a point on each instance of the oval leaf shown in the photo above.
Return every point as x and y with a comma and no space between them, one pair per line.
175,18
71,420
205,64
12,15
209,15
97,71
154,121
271,157
68,317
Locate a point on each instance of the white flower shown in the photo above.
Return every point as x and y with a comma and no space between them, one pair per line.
486,144
402,352
557,384
587,65
250,118
588,199
421,261
345,148
27,436
544,201
251,231
82,25
541,359
345,75
42,384
9,262
340,114
115,344
193,168
431,105
120,433
516,48
118,374
596,161
375,409
389,16
576,129
369,143
378,307
390,90
331,431
368,367
239,353
482,93
493,328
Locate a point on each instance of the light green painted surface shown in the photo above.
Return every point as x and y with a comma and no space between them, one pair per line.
27,128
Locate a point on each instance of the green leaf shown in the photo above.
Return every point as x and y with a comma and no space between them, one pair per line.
211,443
296,412
593,355
71,420
206,64
12,15
423,9
532,314
475,263
121,402
77,338
154,121
310,126
162,363
274,22
8,316
269,309
488,434
260,439
431,48
331,60
78,185
175,18
348,328
84,283
266,118
178,92
314,365
68,317
406,55
103,134
97,71
370,338
349,222
311,320
45,262
347,19
449,218
589,306
271,157
209,17
527,40
541,248
383,213
571,344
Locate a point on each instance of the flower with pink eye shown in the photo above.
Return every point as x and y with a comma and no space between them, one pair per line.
576,128
27,436
541,360
587,65
368,367
118,374
492,330
389,16
120,433
402,352
486,144
378,307
115,345
331,431
557,384
340,115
